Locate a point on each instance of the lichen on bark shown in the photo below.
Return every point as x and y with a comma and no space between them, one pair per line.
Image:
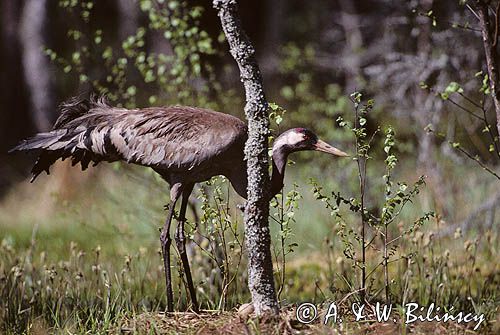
258,238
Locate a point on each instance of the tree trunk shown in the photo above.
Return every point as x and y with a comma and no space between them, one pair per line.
14,118
258,238
351,56
491,57
274,22
128,13
36,65
426,112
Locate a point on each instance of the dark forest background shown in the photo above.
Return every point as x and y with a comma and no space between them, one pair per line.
385,49
420,67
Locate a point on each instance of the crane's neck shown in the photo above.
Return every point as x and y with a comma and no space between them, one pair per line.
238,176
280,156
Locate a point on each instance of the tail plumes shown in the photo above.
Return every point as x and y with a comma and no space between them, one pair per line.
39,141
65,139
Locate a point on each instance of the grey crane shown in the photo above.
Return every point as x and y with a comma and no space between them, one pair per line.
185,145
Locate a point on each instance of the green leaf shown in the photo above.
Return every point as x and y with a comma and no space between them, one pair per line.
454,87
108,53
273,106
132,90
146,5
485,88
173,5
287,92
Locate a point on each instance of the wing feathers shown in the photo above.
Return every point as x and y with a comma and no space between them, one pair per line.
171,137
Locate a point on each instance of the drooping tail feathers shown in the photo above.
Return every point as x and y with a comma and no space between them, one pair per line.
61,141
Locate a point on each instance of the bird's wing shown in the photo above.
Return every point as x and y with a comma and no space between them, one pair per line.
168,138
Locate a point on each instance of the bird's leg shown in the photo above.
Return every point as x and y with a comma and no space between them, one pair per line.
165,240
196,217
180,240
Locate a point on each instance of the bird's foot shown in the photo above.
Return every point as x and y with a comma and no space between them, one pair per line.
245,311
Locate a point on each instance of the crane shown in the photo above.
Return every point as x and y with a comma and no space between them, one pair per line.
184,145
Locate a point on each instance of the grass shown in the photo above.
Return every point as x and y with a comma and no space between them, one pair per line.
88,261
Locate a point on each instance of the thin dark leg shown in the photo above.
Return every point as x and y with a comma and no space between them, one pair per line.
180,240
165,245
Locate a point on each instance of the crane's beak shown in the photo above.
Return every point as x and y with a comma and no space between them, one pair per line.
325,147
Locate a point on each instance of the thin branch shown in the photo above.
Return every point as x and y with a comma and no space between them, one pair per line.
491,56
471,101
490,132
497,24
465,109
474,158
491,203
472,11
465,152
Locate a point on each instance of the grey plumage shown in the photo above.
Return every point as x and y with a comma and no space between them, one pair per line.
169,139
185,145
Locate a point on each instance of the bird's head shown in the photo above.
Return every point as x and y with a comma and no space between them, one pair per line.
300,139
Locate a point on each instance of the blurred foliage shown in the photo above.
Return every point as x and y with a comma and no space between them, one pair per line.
107,267
133,70
93,260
